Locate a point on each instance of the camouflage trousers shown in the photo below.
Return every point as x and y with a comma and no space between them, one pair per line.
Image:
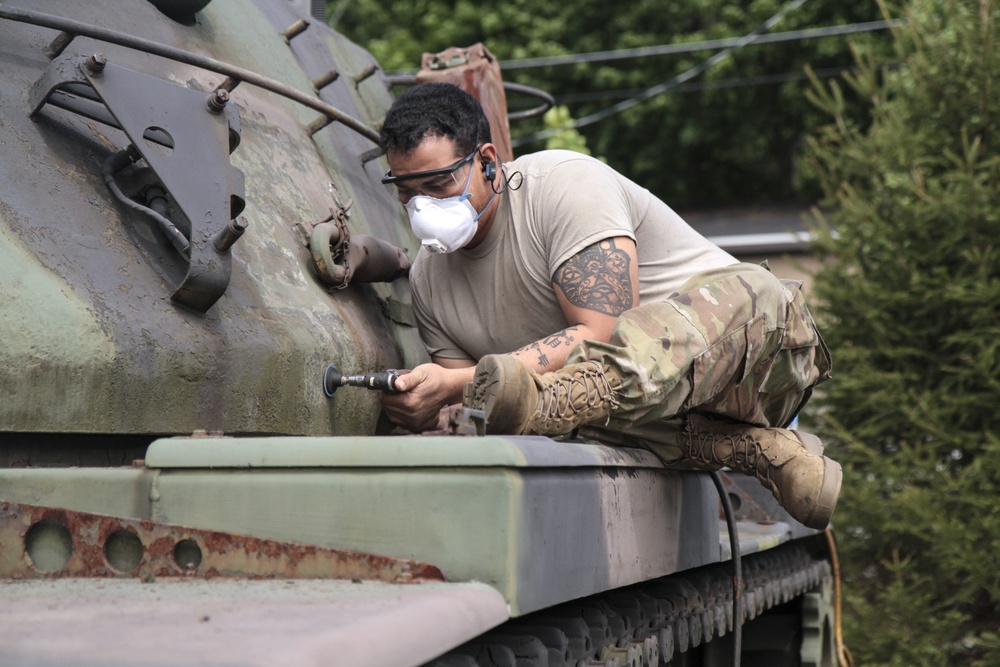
734,342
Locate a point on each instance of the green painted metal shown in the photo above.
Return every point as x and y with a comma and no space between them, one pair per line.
114,491
388,451
541,521
92,343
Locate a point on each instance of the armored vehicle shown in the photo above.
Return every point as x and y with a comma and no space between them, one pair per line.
195,250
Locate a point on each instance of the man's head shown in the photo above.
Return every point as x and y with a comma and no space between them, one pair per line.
435,109
442,164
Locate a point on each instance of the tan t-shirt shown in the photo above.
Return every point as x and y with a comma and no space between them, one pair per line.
498,296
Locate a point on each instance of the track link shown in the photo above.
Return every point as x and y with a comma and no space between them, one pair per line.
647,624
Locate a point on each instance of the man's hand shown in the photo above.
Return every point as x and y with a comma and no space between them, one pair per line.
422,393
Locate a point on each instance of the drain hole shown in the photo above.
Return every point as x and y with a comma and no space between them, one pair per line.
123,551
49,545
187,555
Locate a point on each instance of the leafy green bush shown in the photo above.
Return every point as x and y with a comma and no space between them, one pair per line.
910,299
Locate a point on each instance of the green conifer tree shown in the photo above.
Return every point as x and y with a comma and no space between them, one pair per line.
910,302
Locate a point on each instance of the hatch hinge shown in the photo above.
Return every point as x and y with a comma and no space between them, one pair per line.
185,136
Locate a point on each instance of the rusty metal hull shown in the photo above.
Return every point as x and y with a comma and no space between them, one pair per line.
541,521
541,524
52,542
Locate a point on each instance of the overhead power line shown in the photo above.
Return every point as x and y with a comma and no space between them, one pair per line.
667,85
690,47
695,86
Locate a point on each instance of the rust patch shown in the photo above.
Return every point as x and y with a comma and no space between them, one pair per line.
48,542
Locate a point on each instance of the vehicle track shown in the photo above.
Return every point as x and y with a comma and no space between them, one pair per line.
650,623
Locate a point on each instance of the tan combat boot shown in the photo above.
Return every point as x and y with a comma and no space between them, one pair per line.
789,464
517,400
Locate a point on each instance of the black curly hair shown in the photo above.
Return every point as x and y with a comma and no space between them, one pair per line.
435,110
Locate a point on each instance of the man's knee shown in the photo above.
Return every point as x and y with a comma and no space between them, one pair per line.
722,301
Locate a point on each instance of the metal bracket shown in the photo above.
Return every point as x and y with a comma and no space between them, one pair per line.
184,135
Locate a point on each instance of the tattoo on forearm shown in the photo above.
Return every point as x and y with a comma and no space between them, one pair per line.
564,338
598,278
535,348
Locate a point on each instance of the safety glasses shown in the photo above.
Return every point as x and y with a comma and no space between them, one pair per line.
389,179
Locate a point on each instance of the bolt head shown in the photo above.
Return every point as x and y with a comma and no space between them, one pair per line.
96,63
218,100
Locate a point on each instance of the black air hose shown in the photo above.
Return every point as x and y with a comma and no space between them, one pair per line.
122,159
734,548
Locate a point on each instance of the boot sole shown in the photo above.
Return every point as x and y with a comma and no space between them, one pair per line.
500,391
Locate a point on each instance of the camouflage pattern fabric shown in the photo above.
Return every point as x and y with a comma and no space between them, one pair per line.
734,342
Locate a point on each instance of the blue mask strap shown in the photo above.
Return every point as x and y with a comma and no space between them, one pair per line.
485,208
465,193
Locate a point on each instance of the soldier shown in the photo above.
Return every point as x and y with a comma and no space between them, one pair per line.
555,294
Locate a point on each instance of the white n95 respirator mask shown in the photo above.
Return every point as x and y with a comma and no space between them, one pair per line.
443,225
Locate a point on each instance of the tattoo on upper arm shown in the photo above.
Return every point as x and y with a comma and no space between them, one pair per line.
598,278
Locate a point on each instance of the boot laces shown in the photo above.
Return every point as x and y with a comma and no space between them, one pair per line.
557,397
744,454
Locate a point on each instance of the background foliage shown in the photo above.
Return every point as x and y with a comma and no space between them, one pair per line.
911,288
703,147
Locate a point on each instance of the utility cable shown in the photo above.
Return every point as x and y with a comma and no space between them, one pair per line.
844,657
667,85
690,47
686,47
695,86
